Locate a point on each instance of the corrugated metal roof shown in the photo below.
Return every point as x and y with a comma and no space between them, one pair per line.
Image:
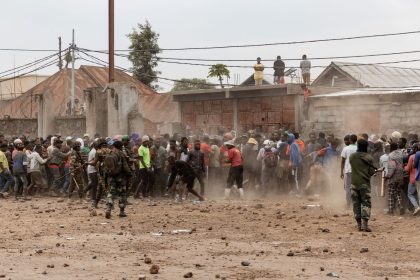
374,75
26,105
364,91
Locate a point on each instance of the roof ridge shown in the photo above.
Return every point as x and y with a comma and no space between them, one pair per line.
371,64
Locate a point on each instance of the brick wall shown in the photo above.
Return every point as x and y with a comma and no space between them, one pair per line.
210,115
266,113
262,113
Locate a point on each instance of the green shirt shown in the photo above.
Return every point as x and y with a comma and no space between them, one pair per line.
362,168
145,153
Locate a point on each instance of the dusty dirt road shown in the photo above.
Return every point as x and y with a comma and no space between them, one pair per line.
47,238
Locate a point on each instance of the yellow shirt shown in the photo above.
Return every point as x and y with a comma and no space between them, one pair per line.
259,71
3,161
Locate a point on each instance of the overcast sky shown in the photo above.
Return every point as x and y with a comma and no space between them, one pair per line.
194,23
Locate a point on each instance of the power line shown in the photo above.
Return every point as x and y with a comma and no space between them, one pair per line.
284,43
253,60
105,64
291,59
27,65
314,66
158,77
242,46
36,69
27,50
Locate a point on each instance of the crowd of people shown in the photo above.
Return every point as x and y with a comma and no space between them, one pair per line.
279,162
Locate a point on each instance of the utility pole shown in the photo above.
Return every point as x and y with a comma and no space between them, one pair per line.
72,76
111,70
60,61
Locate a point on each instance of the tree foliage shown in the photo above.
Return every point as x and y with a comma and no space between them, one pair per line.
219,71
143,55
189,84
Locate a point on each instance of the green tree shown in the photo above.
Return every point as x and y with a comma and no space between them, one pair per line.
189,84
143,53
219,71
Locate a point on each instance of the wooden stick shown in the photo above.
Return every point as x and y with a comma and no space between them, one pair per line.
383,184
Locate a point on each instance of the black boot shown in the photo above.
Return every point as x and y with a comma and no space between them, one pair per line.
122,213
359,224
365,226
108,211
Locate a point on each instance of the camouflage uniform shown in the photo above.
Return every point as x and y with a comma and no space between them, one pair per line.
129,156
361,199
117,185
102,182
76,168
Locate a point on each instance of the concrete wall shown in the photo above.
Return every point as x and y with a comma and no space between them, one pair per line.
96,112
46,117
377,114
135,123
122,99
71,126
16,127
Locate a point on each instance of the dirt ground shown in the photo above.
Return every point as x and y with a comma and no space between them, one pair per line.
48,238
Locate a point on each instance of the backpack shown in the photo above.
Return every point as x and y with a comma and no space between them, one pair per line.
270,159
112,164
397,174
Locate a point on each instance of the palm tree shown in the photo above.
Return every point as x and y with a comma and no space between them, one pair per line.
219,70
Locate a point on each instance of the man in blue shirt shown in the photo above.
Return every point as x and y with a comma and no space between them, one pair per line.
417,166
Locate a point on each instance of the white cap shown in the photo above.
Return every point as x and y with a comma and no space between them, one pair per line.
266,142
69,138
396,135
17,141
80,140
230,143
145,138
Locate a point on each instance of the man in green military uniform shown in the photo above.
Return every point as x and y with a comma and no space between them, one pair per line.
100,156
362,170
76,170
129,156
117,180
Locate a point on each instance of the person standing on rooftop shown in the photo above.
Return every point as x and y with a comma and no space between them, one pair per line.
278,67
259,72
305,68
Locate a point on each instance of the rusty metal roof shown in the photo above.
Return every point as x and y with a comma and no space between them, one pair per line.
374,75
26,105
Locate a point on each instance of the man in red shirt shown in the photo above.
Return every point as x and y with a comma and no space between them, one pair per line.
206,150
236,170
306,93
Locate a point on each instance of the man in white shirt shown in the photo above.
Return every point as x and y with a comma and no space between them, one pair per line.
92,176
305,68
35,169
351,148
